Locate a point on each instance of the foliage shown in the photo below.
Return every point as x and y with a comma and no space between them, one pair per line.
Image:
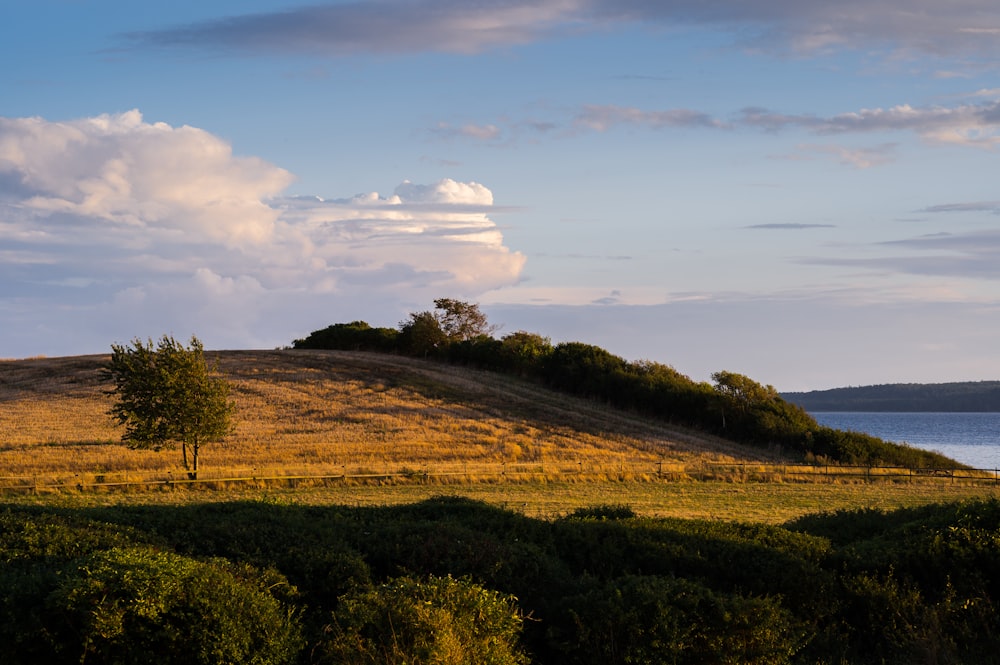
436,621
79,591
354,336
166,395
125,604
422,335
461,321
435,581
643,619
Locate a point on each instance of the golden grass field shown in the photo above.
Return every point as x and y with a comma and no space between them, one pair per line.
307,413
319,411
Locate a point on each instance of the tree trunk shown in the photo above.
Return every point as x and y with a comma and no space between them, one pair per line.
184,454
193,475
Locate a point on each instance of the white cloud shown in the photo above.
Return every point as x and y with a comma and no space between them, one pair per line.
155,226
123,172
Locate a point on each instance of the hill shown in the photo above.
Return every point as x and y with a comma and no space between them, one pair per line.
314,411
947,397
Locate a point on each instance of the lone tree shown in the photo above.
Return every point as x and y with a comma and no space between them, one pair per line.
461,321
167,395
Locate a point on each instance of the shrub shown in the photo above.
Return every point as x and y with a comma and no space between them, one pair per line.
126,605
643,619
437,621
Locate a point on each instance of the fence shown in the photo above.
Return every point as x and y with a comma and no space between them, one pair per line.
499,472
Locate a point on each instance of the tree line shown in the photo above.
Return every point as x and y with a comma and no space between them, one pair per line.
733,405
963,396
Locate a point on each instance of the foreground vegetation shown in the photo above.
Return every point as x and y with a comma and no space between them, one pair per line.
450,580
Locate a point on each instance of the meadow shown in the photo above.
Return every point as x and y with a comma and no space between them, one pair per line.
322,410
382,429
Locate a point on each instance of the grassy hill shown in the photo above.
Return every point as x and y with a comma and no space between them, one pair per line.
307,411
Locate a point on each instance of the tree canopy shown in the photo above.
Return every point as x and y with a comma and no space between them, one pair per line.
166,394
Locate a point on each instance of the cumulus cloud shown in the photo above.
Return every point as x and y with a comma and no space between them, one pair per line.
144,224
456,26
123,173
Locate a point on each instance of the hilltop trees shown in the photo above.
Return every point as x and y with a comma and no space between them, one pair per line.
451,322
461,321
735,406
166,395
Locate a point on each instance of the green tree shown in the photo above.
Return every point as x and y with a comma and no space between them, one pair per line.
421,335
461,321
743,391
167,395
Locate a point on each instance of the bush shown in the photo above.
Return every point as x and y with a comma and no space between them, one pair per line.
437,621
126,605
641,619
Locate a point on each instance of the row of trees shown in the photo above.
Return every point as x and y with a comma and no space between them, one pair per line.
733,405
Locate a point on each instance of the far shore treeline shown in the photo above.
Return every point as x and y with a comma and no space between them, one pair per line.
734,406
956,397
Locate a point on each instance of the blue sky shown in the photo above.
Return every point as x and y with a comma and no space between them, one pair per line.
804,192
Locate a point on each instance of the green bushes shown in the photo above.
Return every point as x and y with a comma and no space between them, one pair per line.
636,619
109,599
455,581
436,621
122,605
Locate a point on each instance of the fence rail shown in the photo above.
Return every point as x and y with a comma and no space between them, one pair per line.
459,473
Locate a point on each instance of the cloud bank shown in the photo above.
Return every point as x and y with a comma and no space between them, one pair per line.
959,27
119,227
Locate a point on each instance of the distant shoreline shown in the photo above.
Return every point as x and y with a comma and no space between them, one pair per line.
959,397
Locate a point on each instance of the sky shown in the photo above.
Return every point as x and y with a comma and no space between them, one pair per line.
802,191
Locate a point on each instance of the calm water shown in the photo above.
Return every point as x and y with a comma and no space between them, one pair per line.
970,438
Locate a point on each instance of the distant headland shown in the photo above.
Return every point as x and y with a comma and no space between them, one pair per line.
949,397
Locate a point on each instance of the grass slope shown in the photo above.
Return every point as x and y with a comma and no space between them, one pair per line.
321,411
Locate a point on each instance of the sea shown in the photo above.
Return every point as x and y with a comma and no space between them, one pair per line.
969,438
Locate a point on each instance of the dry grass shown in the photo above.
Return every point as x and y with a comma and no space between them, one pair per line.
771,503
308,412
